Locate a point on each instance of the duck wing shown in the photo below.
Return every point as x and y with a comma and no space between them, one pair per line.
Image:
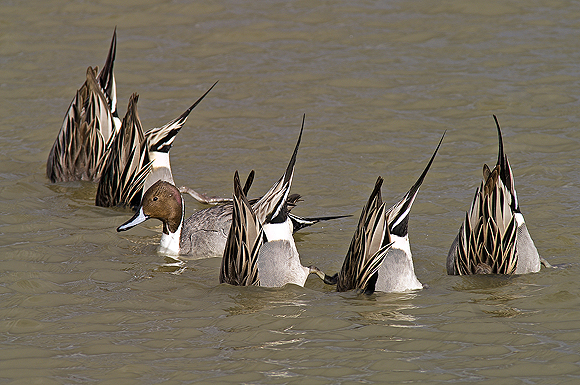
80,143
239,263
126,163
487,237
87,126
368,248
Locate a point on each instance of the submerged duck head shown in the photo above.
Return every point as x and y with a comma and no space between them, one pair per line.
161,201
493,238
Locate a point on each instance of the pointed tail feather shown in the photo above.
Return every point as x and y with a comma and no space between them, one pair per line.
106,77
273,203
398,214
299,223
249,181
161,139
506,174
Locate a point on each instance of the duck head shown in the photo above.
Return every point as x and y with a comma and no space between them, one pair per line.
161,201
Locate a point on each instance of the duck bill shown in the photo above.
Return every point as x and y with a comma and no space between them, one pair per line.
139,217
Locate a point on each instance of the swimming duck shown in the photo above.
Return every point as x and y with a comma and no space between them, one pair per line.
260,248
205,232
135,160
379,256
494,238
91,120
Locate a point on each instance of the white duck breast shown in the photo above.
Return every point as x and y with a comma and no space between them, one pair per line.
279,264
202,235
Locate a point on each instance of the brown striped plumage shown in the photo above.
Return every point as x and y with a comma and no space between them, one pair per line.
368,247
87,127
493,238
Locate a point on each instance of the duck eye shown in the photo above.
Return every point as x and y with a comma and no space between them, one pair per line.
155,199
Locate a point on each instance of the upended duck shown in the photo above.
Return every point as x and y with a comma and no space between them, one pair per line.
260,248
379,256
135,160
494,238
94,145
205,232
90,122
262,255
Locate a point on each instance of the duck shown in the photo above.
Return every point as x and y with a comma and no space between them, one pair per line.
368,248
205,232
134,160
379,256
260,248
89,123
252,259
93,144
494,238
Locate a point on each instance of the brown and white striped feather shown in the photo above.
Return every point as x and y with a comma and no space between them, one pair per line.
80,143
488,233
368,247
125,164
239,264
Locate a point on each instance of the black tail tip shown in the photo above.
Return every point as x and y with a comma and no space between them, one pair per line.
331,280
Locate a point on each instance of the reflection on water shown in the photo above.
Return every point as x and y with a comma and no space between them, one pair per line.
481,283
392,309
286,302
496,295
172,265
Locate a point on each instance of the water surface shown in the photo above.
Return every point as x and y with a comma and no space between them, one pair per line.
379,83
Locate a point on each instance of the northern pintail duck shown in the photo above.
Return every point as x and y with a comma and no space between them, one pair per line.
90,122
135,160
494,238
93,143
205,232
379,256
251,258
260,248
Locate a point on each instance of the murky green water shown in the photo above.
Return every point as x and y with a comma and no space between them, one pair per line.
379,83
